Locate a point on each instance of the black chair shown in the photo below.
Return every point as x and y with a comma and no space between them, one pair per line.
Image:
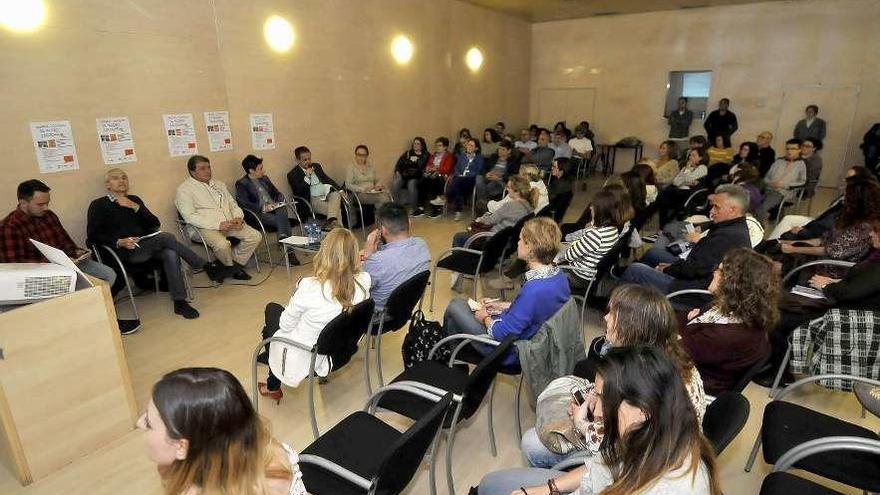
396,313
696,203
787,425
338,340
471,263
363,454
604,268
787,281
559,205
692,298
779,482
438,378
724,419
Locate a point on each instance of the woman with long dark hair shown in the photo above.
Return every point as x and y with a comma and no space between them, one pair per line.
652,442
408,171
205,437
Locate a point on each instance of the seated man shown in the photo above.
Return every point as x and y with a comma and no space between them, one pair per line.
581,146
560,146
256,192
727,231
498,169
786,174
526,144
391,255
121,221
542,155
34,220
205,204
308,181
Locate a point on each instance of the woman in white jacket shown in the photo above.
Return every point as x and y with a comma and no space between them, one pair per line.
337,284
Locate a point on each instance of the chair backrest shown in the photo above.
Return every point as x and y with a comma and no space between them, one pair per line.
405,456
750,373
340,336
481,377
724,419
560,205
494,248
607,262
403,299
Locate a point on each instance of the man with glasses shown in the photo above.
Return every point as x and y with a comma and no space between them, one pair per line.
786,174
766,154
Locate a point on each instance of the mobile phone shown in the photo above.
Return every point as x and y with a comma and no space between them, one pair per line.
689,228
578,397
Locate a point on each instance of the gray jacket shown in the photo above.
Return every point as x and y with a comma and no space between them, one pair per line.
553,351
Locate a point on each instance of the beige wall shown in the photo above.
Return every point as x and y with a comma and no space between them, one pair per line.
336,88
758,53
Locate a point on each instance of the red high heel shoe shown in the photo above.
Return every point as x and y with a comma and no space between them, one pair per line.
275,395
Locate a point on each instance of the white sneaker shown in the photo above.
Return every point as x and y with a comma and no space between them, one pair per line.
439,201
457,216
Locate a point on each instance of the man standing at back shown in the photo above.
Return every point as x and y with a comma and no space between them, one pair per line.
810,126
680,121
391,254
721,122
205,204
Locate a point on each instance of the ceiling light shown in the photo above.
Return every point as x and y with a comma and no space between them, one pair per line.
278,33
402,49
22,15
474,59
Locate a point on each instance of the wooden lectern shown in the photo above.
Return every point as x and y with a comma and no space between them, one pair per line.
65,389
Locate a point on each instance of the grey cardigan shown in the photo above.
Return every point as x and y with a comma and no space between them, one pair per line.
506,215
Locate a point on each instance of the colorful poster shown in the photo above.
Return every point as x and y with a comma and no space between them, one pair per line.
181,133
53,143
116,140
262,131
219,132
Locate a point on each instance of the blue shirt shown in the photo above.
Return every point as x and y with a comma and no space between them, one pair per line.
538,300
395,263
469,166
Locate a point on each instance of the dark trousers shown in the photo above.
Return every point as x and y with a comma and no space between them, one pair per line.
458,189
430,188
277,218
272,318
166,248
669,202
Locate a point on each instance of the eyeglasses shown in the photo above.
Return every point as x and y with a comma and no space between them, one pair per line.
360,154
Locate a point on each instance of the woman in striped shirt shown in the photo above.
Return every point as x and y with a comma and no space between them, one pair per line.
597,239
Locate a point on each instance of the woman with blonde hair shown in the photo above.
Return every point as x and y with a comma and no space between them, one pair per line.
338,283
206,438
533,174
521,199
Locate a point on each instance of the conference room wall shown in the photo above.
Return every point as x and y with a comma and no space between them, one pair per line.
337,87
757,52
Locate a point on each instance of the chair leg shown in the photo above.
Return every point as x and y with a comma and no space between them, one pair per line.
156,281
476,286
751,461
432,463
492,447
367,376
379,356
312,396
781,371
517,412
433,286
450,440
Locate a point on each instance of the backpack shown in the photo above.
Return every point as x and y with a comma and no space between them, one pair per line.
420,339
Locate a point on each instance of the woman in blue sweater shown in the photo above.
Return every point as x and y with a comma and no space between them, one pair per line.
544,292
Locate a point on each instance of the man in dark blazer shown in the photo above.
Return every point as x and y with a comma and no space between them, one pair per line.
308,181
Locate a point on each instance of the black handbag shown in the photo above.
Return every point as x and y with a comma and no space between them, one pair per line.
422,336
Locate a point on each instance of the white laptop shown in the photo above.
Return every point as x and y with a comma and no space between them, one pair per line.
57,256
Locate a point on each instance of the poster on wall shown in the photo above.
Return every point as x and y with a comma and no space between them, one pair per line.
116,140
53,143
219,133
262,131
181,133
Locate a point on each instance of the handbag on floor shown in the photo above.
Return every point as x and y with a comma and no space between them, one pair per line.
422,336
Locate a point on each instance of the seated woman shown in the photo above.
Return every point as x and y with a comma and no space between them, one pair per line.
748,153
533,174
651,443
665,165
205,437
408,171
596,240
575,230
721,151
522,198
673,198
637,315
541,296
361,179
748,177
468,165
337,284
561,179
647,174
728,337
440,165
489,146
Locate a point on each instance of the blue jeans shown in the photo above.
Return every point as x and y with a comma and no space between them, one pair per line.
658,254
460,238
98,270
507,481
460,187
642,274
412,189
538,455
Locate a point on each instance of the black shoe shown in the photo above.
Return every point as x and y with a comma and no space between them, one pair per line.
263,357
419,212
215,271
183,308
128,327
292,259
436,213
766,378
240,274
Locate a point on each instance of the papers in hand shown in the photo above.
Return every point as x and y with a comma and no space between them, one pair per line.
474,305
150,235
275,206
809,292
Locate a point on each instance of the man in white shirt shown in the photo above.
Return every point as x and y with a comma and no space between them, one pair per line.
525,143
560,145
581,146
205,204
785,174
